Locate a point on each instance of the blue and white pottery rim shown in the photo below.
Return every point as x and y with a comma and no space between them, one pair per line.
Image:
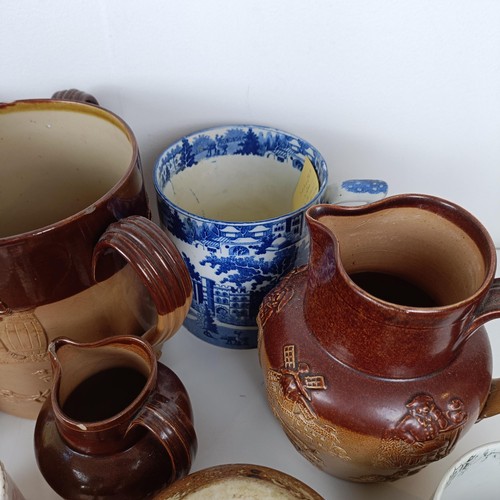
320,167
460,466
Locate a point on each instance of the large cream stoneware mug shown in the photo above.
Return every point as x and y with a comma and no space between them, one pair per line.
79,256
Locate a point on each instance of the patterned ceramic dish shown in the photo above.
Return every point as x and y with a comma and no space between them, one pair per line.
475,475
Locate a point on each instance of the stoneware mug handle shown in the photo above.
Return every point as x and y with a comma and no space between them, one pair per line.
356,192
75,95
489,309
173,428
150,253
160,266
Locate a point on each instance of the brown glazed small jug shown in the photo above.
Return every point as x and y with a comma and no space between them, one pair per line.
374,355
118,423
79,256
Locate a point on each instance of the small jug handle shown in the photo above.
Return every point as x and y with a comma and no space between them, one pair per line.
492,405
356,192
489,309
75,95
152,256
173,428
160,267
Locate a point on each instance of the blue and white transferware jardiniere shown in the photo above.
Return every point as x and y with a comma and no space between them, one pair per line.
233,199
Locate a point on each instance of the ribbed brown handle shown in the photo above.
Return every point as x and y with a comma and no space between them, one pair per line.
173,428
492,405
160,267
75,95
488,309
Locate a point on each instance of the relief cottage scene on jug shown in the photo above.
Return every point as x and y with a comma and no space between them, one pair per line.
371,390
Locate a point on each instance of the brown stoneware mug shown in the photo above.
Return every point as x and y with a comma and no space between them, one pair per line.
79,256
118,423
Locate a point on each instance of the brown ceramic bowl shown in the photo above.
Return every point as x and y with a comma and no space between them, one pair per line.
232,481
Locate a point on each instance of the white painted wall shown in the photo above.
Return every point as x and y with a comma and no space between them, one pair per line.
407,91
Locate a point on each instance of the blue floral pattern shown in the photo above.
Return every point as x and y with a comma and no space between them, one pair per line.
234,265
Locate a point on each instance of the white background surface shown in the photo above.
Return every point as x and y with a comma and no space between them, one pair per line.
406,91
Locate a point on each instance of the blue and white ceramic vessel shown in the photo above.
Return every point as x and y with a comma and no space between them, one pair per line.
213,191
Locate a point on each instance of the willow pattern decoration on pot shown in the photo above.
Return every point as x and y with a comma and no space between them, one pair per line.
118,424
368,351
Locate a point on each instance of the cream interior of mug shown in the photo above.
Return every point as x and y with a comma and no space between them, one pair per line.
56,159
238,188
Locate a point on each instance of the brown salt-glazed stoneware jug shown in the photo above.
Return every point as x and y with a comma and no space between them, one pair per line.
374,354
118,423
79,256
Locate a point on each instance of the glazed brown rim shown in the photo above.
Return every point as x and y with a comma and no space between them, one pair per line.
465,220
62,105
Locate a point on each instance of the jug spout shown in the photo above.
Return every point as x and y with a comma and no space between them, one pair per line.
98,388
393,283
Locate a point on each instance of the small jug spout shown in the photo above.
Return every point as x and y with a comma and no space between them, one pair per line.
98,388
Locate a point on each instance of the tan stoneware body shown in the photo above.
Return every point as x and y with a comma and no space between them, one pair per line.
131,454
79,256
367,387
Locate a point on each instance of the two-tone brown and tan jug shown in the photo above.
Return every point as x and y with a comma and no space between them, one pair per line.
79,256
374,354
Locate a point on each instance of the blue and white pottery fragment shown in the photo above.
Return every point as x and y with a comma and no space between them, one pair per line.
233,199
474,475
